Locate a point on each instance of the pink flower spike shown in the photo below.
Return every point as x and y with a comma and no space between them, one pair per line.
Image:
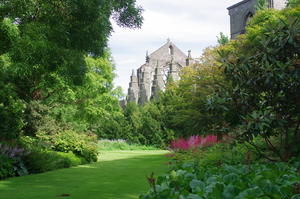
194,141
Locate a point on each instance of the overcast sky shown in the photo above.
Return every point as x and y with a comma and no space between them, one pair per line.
190,25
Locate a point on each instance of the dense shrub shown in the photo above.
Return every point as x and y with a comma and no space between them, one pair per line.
42,161
52,135
11,112
38,119
263,67
6,167
82,145
16,155
146,125
226,151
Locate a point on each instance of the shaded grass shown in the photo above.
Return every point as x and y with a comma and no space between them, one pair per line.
118,175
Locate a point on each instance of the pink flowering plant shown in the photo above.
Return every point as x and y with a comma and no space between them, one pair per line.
193,143
189,149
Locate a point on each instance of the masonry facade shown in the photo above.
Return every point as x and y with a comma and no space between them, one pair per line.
160,66
242,12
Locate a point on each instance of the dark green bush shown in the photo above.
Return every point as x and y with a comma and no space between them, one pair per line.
38,119
42,161
225,153
146,125
11,112
15,155
6,167
264,68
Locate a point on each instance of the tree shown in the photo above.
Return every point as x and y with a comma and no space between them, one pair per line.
293,3
222,39
195,104
263,66
79,25
58,57
46,36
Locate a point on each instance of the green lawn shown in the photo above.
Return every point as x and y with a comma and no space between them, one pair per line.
118,175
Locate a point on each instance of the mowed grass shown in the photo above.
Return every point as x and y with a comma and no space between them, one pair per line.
118,175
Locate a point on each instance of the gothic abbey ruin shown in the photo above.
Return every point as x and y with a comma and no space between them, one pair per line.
151,77
242,12
168,60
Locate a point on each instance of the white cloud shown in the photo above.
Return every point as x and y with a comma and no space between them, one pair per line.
190,24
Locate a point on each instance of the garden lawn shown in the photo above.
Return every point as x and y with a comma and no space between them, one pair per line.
118,175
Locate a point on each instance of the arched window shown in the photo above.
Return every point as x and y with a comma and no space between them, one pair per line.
248,18
171,50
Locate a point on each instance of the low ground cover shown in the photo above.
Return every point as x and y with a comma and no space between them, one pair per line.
118,175
264,181
224,170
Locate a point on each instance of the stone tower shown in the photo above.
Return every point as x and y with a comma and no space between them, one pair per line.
242,12
151,77
158,81
133,88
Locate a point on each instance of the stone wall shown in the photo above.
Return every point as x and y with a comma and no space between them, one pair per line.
241,13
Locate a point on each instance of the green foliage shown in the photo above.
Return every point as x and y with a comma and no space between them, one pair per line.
191,105
53,59
82,145
11,113
261,5
66,21
146,125
8,33
42,161
293,3
222,39
14,155
6,167
265,181
11,107
38,119
226,152
263,68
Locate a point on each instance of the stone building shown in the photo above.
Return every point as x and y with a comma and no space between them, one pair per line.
151,77
242,12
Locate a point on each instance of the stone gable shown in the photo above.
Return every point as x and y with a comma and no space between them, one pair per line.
166,62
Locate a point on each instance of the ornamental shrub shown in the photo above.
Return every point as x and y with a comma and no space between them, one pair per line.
82,145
